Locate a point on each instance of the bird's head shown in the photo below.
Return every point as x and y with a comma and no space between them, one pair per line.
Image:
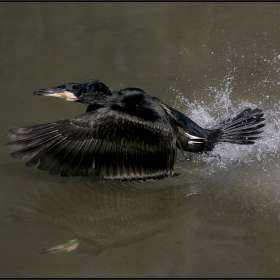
90,92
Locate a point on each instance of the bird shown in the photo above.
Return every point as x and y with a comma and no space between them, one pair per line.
123,135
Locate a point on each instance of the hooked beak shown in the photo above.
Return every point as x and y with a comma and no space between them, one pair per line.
56,92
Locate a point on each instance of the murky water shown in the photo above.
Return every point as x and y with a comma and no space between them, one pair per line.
220,216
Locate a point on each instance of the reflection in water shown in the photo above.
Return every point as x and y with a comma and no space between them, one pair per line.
105,214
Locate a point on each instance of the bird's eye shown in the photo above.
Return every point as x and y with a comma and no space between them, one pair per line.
60,89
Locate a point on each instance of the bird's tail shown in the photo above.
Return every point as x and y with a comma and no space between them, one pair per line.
242,129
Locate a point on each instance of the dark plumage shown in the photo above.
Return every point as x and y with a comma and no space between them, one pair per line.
124,135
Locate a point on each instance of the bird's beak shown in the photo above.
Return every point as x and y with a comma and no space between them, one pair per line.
54,92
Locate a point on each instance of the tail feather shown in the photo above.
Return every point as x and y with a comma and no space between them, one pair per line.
242,128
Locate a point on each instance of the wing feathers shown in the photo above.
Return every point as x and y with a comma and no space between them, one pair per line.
116,146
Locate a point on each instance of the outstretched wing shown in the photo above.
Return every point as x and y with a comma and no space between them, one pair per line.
116,144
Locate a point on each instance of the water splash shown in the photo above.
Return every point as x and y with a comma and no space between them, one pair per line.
221,107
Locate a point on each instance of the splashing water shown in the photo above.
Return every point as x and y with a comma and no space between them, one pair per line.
265,150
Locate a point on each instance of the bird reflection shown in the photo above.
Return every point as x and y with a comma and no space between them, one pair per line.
107,214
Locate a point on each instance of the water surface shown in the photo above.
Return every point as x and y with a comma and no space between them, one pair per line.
220,216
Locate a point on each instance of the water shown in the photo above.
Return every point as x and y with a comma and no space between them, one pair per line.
218,218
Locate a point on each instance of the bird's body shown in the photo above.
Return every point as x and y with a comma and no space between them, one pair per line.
124,135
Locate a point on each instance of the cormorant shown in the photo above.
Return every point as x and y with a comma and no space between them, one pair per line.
124,135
